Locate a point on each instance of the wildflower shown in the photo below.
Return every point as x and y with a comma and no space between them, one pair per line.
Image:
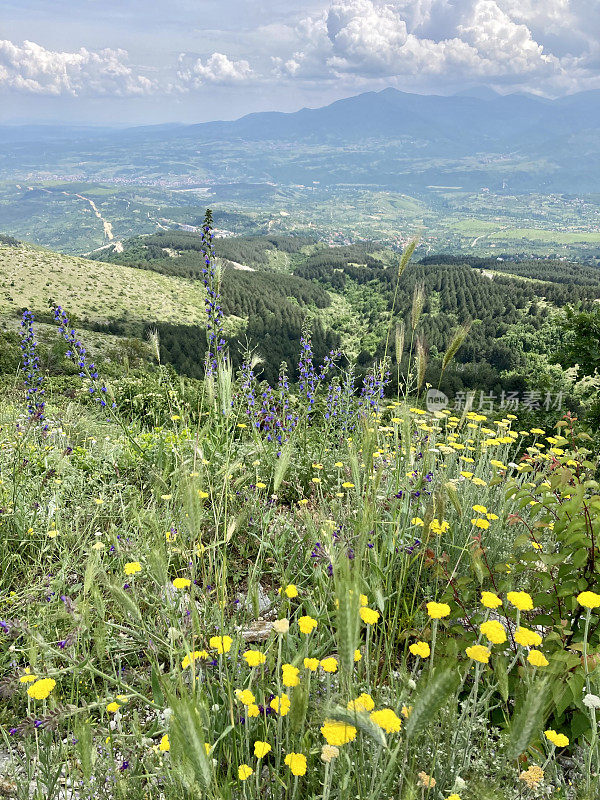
244,772
417,521
494,631
254,658
132,567
281,625
406,711
329,664
245,696
557,739
113,707
364,702
338,733
307,624
290,675
480,523
181,583
438,528
438,610
290,591
490,600
537,659
478,653
281,704
165,744
588,599
520,600
222,644
191,657
527,638
328,752
426,781
532,776
311,663
252,710
357,655
28,678
261,749
420,649
40,689
453,797
480,509
591,701
297,763
369,616
387,719
203,495
363,600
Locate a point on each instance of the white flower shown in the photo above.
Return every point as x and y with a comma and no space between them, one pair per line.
591,701
411,684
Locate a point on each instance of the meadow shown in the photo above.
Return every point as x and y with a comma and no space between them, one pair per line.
221,589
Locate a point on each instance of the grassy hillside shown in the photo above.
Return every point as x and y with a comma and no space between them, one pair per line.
93,291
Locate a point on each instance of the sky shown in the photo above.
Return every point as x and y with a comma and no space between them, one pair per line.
128,62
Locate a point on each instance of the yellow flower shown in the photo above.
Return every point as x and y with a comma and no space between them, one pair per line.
369,616
328,752
537,659
252,710
203,495
329,664
254,658
406,711
363,599
191,657
557,739
438,527
480,509
291,591
296,762
387,719
165,744
41,689
364,702
281,704
245,696
307,624
438,610
348,485
494,631
338,464
261,485
588,599
261,749
490,600
113,707
478,653
417,521
480,523
132,567
181,583
311,663
420,649
357,655
290,675
244,772
222,644
453,797
527,638
520,600
338,733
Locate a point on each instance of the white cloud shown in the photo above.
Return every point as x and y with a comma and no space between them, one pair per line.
503,42
217,69
32,68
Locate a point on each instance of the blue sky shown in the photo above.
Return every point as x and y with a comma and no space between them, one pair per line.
142,61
